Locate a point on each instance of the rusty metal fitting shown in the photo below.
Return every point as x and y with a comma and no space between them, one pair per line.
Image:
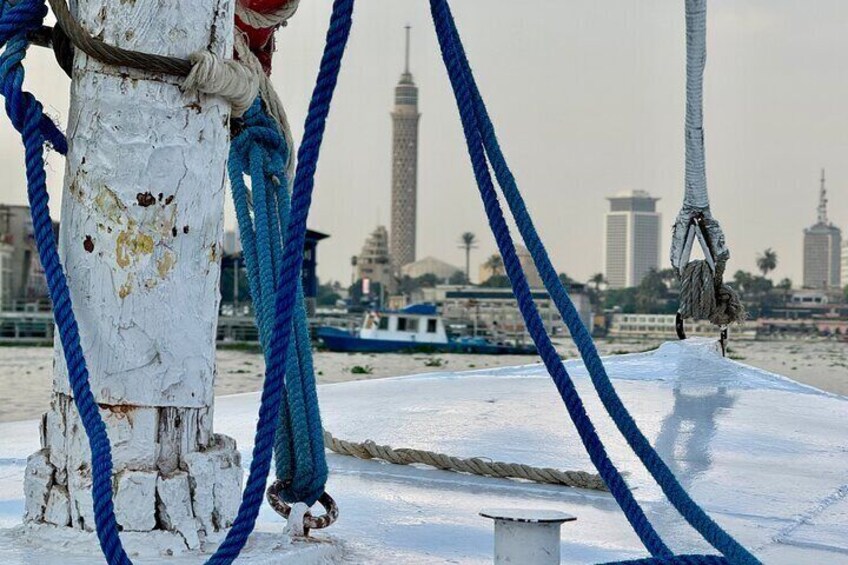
310,522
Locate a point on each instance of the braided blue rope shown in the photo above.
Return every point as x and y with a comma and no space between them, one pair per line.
27,115
586,430
612,402
259,151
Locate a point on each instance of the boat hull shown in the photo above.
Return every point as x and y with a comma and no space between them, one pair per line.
338,340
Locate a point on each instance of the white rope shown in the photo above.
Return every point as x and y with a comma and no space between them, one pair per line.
472,465
267,92
240,81
231,80
696,58
259,20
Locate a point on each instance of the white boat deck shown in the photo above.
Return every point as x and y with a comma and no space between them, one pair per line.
765,456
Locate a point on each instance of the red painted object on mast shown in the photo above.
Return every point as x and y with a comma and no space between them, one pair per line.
261,40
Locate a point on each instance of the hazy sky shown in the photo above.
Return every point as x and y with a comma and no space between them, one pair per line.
587,96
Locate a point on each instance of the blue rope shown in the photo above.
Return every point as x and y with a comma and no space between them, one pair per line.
259,150
472,106
676,560
286,296
27,116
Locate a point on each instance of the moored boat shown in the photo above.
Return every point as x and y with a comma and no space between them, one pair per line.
415,328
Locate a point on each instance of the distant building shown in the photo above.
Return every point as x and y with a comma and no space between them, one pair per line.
405,118
373,264
632,238
6,270
822,249
488,270
233,259
844,267
493,312
663,326
309,272
24,277
430,265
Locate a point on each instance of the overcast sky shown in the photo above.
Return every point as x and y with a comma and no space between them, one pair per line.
587,97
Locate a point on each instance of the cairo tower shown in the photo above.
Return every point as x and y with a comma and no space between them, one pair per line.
404,168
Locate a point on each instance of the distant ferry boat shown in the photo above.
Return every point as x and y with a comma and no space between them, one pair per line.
415,328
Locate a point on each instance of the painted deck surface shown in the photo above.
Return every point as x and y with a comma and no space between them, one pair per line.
767,457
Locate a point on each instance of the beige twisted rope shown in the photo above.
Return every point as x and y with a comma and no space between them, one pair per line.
267,93
472,465
238,82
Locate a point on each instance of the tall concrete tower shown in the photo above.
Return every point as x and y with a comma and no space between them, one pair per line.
822,248
404,168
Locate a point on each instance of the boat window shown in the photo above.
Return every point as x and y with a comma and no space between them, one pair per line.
384,323
431,325
401,324
412,325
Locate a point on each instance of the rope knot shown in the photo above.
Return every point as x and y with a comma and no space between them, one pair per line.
259,137
226,78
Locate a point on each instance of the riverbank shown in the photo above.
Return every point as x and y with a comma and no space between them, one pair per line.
25,372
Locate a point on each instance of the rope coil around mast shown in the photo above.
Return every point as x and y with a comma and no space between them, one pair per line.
236,81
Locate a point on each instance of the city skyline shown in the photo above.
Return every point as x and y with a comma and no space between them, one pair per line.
588,99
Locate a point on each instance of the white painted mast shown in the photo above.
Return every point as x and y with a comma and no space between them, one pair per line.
141,236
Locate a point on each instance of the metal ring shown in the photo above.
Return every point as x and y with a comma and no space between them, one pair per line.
310,522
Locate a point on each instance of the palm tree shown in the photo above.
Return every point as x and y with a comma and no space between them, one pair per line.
495,265
468,241
597,280
767,261
595,296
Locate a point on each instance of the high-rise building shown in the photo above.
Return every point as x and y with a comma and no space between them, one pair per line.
405,118
632,238
844,282
822,248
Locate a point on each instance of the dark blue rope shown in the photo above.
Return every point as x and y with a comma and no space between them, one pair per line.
484,138
26,114
585,428
676,560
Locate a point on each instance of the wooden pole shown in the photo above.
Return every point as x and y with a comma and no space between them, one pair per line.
141,238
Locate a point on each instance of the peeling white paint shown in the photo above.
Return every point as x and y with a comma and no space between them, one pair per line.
37,481
58,510
142,218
